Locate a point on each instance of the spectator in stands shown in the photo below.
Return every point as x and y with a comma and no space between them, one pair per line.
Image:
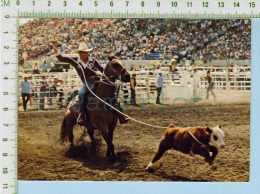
26,90
43,92
44,67
141,38
132,88
36,69
159,86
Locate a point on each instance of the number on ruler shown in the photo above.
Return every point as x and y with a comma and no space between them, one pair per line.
6,124
221,4
5,154
80,3
142,3
205,4
96,3
6,47
5,109
189,4
236,4
174,4
5,170
33,3
252,4
5,3
7,16
5,93
49,3
6,63
5,139
111,3
127,3
64,3
6,32
5,186
158,3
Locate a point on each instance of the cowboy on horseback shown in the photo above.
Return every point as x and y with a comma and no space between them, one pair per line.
86,67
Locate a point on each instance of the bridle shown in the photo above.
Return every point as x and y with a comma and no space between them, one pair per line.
112,79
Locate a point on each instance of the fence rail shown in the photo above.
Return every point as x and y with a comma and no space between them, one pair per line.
61,85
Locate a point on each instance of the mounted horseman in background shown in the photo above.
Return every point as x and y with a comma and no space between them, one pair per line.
87,68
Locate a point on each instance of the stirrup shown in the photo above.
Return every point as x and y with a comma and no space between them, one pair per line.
81,119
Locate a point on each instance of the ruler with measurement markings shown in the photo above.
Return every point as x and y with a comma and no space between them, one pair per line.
12,11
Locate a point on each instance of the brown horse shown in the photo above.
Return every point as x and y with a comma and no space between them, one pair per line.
100,116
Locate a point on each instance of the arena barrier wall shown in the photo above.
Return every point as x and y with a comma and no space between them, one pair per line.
183,86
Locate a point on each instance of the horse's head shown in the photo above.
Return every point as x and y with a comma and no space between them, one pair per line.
115,69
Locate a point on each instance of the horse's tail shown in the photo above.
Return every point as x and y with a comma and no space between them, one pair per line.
63,131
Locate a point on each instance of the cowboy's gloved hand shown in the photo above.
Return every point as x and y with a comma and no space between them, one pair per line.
98,73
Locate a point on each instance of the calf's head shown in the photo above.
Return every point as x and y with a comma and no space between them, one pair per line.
217,137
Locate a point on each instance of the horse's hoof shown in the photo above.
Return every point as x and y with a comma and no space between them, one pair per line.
214,167
111,159
150,170
69,154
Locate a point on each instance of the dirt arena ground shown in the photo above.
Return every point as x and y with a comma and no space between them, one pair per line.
42,157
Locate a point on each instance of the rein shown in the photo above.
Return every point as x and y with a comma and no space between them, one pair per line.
108,82
196,138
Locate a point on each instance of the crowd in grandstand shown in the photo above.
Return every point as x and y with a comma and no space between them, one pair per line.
139,39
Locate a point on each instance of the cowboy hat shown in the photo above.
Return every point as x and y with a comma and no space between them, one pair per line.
173,60
84,48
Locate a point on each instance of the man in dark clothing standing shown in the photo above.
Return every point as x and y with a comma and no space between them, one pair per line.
209,78
132,88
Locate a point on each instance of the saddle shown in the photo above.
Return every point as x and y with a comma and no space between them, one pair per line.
91,99
74,104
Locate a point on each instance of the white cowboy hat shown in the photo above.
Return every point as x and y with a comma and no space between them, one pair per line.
84,48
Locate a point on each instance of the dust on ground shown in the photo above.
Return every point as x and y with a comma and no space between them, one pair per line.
42,157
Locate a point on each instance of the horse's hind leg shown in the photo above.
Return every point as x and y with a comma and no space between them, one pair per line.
70,125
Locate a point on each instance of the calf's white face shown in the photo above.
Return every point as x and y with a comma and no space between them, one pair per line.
217,138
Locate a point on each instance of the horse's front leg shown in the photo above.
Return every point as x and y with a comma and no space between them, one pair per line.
110,147
93,140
